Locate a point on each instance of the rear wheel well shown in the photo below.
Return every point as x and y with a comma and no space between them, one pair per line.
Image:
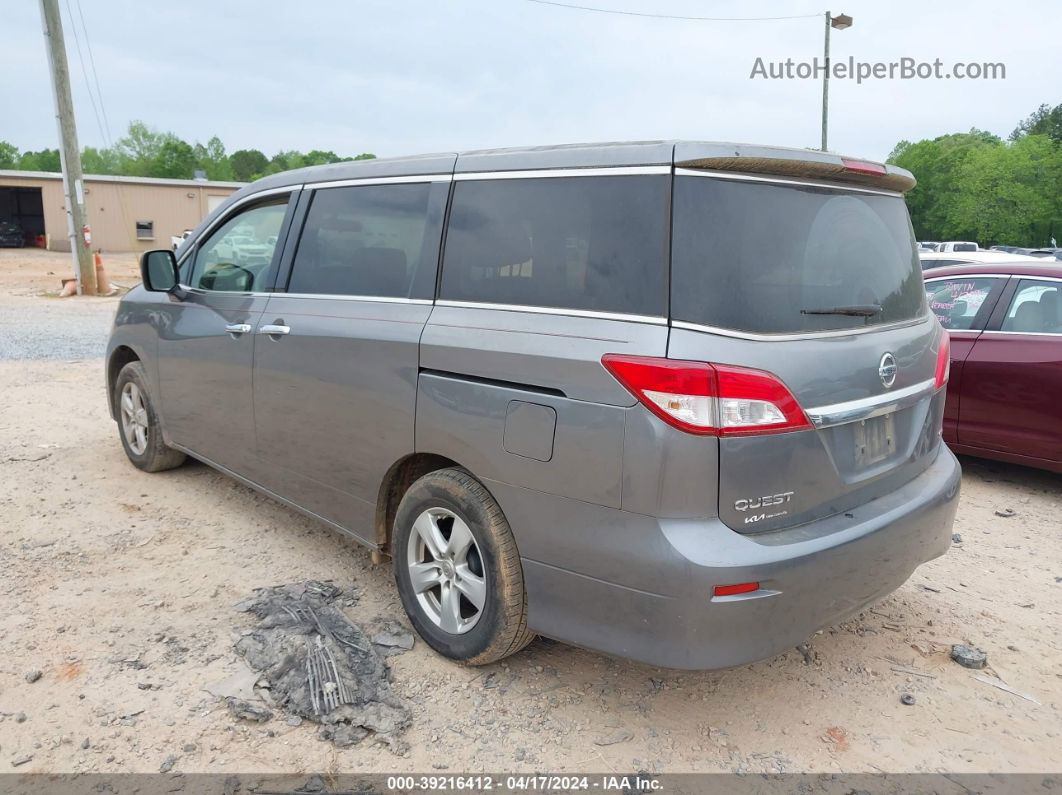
396,482
120,358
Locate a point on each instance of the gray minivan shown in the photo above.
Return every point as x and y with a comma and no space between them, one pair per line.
675,401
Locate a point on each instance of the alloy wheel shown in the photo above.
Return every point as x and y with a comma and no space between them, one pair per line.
446,570
134,417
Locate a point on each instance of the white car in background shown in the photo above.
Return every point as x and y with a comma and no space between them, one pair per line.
958,245
941,259
176,240
243,250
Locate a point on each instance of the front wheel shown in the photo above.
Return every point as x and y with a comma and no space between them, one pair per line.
138,424
458,569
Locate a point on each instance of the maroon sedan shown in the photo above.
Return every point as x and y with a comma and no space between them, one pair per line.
1005,393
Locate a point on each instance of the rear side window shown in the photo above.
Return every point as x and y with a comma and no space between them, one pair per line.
775,259
583,243
1036,308
368,240
961,304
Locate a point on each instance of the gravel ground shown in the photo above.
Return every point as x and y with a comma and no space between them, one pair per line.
36,324
117,610
55,328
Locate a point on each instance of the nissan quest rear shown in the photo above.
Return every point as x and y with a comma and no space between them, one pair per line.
675,401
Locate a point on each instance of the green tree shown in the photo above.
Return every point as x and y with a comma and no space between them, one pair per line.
146,152
1045,120
44,160
213,160
8,155
248,164
100,161
285,161
935,164
139,149
176,159
316,157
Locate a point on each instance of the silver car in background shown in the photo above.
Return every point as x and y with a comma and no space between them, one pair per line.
676,401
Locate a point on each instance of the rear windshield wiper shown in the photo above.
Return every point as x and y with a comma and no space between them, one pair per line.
856,310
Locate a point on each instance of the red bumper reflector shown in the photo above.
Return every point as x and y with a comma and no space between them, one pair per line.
731,590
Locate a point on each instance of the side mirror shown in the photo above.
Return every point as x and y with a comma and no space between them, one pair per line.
158,269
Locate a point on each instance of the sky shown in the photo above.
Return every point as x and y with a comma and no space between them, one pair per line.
397,77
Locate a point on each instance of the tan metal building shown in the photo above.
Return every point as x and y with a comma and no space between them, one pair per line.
124,213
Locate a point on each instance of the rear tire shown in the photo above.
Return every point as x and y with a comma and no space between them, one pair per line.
138,424
458,569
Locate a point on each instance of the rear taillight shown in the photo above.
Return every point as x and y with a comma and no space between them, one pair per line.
943,361
709,399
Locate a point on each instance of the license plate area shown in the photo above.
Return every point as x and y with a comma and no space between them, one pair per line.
875,439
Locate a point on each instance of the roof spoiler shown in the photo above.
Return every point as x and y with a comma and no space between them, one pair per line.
793,163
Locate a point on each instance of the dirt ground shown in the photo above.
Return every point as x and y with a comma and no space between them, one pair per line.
119,587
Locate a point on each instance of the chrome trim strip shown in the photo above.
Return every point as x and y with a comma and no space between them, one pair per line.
549,310
964,333
1035,277
875,406
414,178
1025,333
697,172
618,171
205,292
368,299
955,276
811,335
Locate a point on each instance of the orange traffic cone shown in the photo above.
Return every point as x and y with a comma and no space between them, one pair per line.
103,284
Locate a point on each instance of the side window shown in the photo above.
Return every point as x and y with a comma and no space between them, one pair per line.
239,255
369,240
1035,308
958,302
591,243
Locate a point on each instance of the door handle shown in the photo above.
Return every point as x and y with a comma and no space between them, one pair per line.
272,329
238,328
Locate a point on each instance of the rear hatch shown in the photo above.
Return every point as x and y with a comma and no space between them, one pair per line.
817,284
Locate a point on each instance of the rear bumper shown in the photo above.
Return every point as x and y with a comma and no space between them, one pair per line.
810,577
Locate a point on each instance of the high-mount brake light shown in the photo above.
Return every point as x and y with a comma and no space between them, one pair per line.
864,167
940,377
709,399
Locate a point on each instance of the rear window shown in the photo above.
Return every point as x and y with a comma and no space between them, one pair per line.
777,259
582,243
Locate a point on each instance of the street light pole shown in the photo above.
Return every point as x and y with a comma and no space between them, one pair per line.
69,153
841,21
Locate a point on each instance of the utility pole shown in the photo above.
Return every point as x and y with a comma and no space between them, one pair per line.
841,21
69,152
826,83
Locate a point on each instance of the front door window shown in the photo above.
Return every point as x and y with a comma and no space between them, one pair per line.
240,255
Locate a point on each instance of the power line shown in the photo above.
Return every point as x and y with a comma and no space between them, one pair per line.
84,71
95,74
669,16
